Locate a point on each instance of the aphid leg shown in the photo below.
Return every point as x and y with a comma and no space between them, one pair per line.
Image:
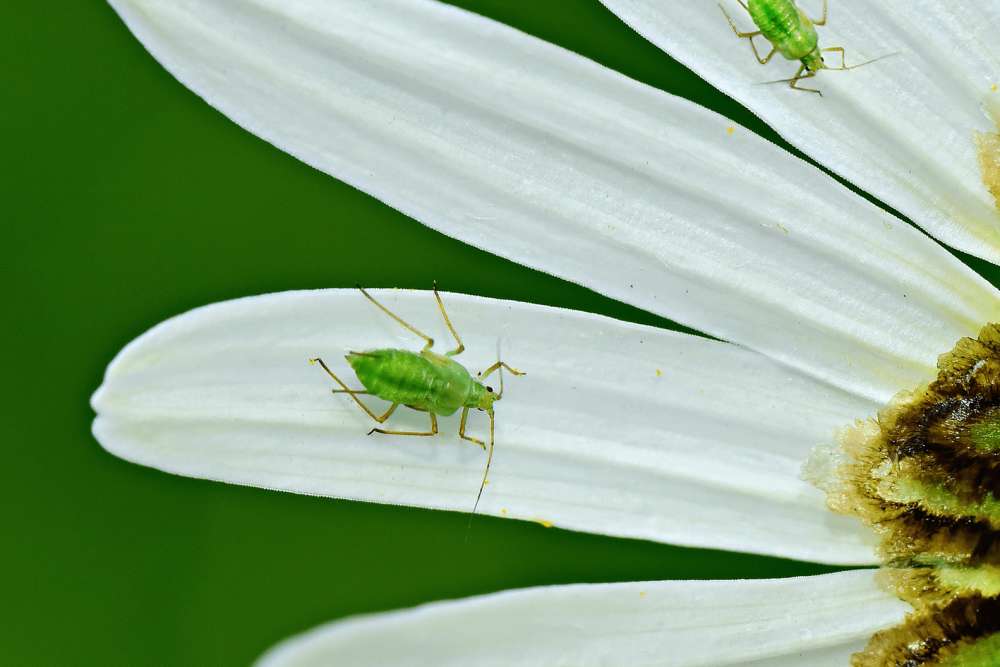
428,341
799,76
843,57
433,431
461,346
732,24
766,59
353,393
461,430
385,415
748,35
822,19
499,364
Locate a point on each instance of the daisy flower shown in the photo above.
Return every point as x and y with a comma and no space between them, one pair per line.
826,311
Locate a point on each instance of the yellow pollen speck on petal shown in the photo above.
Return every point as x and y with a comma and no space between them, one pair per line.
503,511
659,373
543,523
994,88
782,228
642,594
730,130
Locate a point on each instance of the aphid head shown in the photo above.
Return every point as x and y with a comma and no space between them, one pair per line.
487,398
814,61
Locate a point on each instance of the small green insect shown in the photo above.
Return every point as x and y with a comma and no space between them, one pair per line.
792,34
424,381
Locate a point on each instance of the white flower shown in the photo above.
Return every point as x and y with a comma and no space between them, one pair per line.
829,304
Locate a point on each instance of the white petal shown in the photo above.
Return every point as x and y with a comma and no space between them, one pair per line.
617,428
808,621
902,128
541,156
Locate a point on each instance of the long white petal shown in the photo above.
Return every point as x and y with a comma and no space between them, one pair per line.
902,128
541,156
617,428
807,621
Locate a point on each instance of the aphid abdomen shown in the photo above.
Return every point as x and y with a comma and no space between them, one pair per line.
413,379
784,25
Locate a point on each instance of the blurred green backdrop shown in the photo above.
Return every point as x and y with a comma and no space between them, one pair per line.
125,200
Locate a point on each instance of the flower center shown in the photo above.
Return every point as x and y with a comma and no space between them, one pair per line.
988,148
926,476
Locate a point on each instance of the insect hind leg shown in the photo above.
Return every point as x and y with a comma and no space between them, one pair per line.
766,59
353,393
428,341
749,36
822,19
447,321
732,24
433,431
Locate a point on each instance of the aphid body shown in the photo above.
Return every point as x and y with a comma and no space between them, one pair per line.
789,30
424,381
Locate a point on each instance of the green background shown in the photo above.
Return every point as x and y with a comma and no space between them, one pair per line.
125,200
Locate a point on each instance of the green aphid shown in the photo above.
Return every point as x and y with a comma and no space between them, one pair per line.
424,381
792,34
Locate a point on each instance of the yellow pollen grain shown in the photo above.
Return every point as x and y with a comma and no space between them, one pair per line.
503,511
543,523
993,87
659,373
642,594
732,128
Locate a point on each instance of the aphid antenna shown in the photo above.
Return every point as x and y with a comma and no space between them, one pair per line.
486,471
500,358
489,455
831,69
486,474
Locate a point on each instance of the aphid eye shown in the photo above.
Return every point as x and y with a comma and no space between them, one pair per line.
489,389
